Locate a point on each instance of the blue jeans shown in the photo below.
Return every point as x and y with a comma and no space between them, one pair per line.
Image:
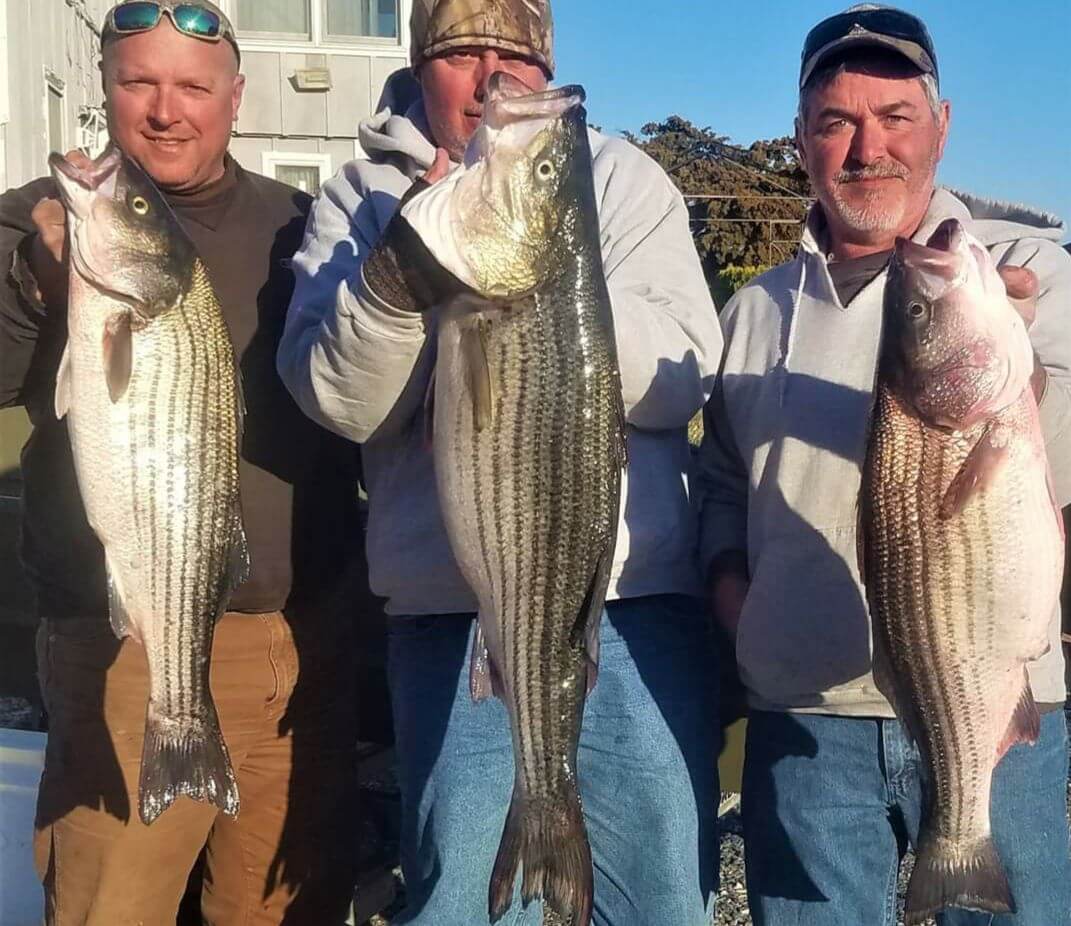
831,804
648,777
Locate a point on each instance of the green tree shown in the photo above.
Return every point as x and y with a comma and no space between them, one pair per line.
746,205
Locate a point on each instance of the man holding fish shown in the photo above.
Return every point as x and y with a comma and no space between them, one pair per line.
164,483
530,317
880,523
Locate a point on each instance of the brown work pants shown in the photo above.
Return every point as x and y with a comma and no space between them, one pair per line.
287,713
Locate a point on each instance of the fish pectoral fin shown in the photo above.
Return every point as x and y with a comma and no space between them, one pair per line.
484,677
118,354
239,566
122,623
978,472
63,384
1025,726
474,350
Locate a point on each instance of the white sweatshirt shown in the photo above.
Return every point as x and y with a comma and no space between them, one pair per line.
361,367
786,441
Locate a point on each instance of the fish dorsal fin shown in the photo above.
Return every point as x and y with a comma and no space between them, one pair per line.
1025,726
239,565
239,390
484,677
118,354
63,384
122,623
474,339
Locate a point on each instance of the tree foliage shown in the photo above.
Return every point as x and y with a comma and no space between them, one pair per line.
761,192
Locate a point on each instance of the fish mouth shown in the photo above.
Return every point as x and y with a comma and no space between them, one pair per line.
80,189
78,185
948,236
510,99
941,264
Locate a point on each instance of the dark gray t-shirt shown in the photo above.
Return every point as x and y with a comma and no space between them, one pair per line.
850,276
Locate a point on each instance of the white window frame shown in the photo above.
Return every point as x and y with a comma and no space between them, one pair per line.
289,38
269,160
318,39
56,84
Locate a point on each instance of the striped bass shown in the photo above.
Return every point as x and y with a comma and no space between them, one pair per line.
529,450
963,549
150,388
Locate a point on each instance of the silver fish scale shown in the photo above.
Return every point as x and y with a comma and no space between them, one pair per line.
960,603
533,501
184,435
158,473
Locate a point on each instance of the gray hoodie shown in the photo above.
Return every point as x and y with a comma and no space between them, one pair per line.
361,366
787,436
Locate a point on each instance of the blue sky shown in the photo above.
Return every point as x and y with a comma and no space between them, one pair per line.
1006,67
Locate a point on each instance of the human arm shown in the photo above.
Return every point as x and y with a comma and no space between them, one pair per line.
353,354
1050,334
668,340
721,487
32,235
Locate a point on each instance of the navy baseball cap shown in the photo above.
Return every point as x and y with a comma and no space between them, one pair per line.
869,24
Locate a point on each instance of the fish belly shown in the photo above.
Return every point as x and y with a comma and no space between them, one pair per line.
961,604
158,470
530,500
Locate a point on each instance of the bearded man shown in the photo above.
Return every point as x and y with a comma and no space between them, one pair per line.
832,789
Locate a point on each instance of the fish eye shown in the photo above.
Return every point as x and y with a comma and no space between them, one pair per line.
916,310
140,205
544,170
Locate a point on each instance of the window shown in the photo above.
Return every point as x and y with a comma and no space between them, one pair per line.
304,171
306,177
283,18
357,18
319,20
54,92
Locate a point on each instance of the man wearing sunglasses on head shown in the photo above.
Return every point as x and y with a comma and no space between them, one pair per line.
832,781
281,674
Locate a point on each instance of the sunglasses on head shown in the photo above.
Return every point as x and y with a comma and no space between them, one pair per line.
189,18
892,23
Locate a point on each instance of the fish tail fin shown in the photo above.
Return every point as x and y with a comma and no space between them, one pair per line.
972,878
180,757
553,849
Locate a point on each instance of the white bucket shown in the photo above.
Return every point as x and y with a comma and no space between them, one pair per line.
22,755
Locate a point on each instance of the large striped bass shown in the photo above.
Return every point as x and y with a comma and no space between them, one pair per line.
529,449
964,549
150,388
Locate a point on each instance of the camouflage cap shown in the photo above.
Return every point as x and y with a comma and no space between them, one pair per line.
521,26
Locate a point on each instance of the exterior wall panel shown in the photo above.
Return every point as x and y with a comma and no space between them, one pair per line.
288,119
350,99
382,68
304,112
262,107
